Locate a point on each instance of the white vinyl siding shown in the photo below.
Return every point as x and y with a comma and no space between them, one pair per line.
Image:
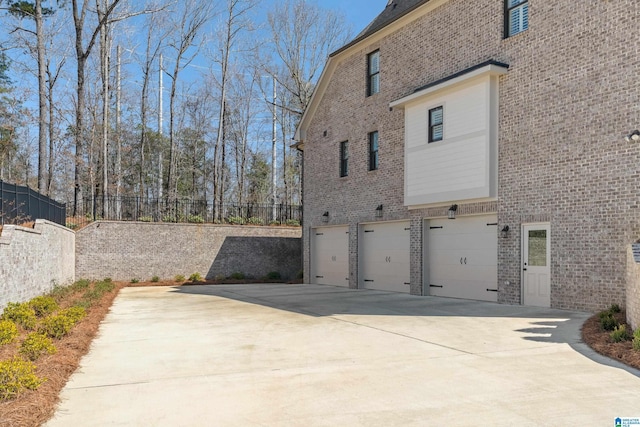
517,16
461,165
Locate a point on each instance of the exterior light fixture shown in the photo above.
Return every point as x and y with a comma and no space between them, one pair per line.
452,212
325,217
379,211
633,136
505,231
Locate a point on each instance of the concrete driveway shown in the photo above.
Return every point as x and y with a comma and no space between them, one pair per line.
306,355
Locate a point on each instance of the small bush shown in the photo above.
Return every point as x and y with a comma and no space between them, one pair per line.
56,326
22,314
293,223
99,289
273,275
80,285
75,313
107,280
273,223
16,375
83,303
155,279
59,292
43,305
8,332
636,340
235,220
607,321
195,277
237,276
195,219
169,218
619,334
254,220
35,345
615,308
145,219
72,225
179,278
134,280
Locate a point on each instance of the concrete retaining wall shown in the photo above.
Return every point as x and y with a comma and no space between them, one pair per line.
127,250
33,260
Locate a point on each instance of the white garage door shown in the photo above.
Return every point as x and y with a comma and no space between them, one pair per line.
463,257
330,256
385,256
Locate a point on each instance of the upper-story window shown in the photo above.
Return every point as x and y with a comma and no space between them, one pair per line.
516,16
373,151
436,124
373,73
344,158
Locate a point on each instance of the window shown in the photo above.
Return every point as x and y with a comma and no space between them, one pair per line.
436,124
344,158
373,151
516,16
373,73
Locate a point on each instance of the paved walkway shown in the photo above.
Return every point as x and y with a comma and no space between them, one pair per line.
306,355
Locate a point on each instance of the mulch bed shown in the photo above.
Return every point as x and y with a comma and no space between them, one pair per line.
34,408
600,341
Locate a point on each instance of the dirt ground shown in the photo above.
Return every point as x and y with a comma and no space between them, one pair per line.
600,341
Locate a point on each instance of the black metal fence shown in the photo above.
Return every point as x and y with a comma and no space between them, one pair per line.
184,211
20,204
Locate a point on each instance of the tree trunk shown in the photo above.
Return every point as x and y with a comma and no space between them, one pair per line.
42,101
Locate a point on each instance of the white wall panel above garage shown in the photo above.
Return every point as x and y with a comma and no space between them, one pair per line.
330,256
384,256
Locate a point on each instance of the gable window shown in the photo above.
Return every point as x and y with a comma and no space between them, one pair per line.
373,73
436,124
373,151
344,158
516,16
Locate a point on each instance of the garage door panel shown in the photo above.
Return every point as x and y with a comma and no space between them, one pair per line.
330,256
385,256
463,257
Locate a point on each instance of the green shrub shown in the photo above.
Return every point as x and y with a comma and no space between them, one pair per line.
254,220
59,292
237,276
293,223
35,345
75,313
99,289
635,343
16,375
8,332
615,308
80,285
145,219
72,225
195,277
195,219
619,334
179,278
607,321
155,279
22,314
107,280
134,280
273,223
235,220
56,326
43,305
273,275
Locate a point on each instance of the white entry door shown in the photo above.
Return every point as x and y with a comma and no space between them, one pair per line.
536,270
384,262
330,256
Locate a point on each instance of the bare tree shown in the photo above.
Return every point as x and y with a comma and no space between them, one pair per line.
193,16
303,36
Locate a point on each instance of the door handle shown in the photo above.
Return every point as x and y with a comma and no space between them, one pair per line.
465,261
524,269
460,261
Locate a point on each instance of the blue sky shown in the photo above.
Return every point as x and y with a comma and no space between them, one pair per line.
358,12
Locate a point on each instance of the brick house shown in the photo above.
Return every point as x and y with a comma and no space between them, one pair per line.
476,149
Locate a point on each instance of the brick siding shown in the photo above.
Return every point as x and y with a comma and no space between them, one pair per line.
570,96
